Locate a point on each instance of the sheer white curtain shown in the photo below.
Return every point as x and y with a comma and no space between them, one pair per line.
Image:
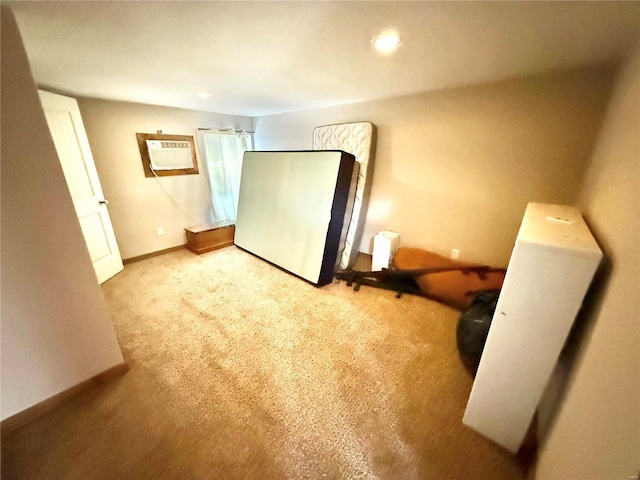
223,153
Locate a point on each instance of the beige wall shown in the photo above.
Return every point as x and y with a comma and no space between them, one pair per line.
138,204
596,430
456,168
56,331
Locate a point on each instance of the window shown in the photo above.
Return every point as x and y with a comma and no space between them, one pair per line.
222,152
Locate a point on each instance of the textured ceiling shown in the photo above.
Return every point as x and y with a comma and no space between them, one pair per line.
259,58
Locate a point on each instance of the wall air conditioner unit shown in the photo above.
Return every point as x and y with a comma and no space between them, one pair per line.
170,154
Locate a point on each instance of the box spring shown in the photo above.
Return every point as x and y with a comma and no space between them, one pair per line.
293,209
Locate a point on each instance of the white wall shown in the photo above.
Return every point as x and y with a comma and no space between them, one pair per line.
137,204
595,433
56,331
456,168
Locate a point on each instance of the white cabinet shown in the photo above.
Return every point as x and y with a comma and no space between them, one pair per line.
551,268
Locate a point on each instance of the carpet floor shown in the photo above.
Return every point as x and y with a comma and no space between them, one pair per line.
240,370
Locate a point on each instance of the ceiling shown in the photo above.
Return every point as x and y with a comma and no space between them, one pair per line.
261,58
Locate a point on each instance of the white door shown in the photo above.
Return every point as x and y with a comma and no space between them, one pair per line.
72,144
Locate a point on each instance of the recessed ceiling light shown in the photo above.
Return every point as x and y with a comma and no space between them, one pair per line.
386,43
204,95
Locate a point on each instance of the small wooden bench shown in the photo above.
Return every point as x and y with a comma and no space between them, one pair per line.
204,238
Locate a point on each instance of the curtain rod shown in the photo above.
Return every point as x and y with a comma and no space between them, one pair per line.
235,130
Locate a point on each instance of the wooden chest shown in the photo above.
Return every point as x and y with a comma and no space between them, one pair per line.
205,238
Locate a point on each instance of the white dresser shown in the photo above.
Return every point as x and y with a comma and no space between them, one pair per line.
552,264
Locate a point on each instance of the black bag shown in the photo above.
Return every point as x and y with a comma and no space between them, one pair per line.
473,328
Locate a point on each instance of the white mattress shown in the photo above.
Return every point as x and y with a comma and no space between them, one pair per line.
358,139
292,209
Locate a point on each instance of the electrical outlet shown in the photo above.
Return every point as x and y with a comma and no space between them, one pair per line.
159,231
455,253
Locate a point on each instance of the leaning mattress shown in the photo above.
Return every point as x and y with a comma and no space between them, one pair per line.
292,209
358,139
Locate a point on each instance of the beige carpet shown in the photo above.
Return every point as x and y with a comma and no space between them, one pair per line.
242,371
